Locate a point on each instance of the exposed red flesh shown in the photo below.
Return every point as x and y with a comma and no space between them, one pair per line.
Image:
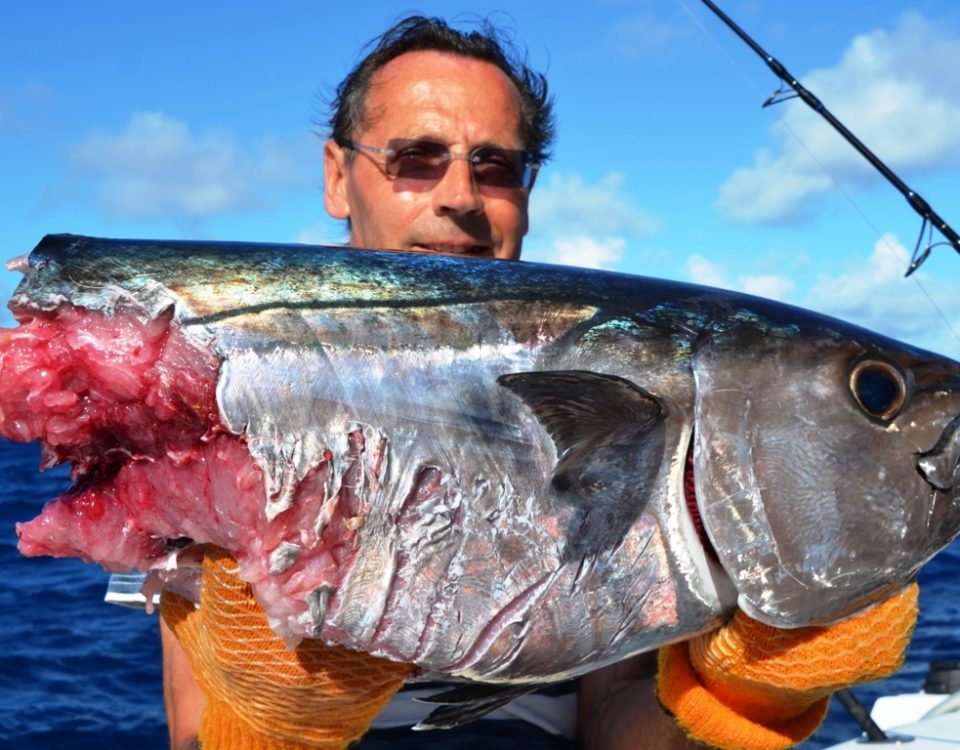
89,387
131,404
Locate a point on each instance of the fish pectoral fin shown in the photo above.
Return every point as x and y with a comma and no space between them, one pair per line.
609,435
578,408
466,703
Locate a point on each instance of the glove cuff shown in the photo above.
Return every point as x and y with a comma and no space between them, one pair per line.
706,718
223,728
748,685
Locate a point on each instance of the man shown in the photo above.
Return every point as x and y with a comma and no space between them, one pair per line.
436,138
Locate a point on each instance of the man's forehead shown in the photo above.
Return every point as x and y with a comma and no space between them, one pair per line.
432,85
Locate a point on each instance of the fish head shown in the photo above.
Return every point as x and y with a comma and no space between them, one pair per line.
827,466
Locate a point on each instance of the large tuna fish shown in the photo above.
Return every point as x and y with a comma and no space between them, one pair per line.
500,471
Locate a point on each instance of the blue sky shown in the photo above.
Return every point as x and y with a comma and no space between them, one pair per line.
197,120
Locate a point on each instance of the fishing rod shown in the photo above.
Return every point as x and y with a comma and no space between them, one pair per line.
929,216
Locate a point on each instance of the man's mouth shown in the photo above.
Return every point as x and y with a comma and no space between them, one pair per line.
452,248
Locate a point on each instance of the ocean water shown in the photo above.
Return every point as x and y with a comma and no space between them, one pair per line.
83,674
78,673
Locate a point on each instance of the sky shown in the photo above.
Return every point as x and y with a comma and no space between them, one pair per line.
205,120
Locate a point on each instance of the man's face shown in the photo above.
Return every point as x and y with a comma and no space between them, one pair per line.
460,102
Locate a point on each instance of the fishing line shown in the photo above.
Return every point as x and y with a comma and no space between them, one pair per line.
786,125
926,227
915,200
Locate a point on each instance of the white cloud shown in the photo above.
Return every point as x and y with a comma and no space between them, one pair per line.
587,252
898,91
156,168
877,296
568,205
577,223
700,270
772,285
322,233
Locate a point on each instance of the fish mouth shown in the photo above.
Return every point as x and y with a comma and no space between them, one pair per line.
940,466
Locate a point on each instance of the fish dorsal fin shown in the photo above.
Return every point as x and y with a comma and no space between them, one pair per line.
609,438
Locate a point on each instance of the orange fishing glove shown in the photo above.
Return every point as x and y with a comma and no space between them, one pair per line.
748,686
261,695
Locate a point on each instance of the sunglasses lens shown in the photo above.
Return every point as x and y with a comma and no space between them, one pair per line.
417,160
498,167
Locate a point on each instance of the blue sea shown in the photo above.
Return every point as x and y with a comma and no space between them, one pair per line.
83,674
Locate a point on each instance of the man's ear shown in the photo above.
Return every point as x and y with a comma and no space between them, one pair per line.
335,181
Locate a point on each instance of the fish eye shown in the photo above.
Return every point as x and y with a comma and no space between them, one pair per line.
879,388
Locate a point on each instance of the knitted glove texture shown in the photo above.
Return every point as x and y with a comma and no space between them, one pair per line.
749,686
260,695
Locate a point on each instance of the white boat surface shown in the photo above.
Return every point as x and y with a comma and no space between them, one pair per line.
914,721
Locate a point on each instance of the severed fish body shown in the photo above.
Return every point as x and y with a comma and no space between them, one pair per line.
508,472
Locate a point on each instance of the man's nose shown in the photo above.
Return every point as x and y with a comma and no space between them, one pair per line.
457,192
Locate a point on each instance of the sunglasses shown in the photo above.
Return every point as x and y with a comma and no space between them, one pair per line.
427,161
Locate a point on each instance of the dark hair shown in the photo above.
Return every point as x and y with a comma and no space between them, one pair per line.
421,33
